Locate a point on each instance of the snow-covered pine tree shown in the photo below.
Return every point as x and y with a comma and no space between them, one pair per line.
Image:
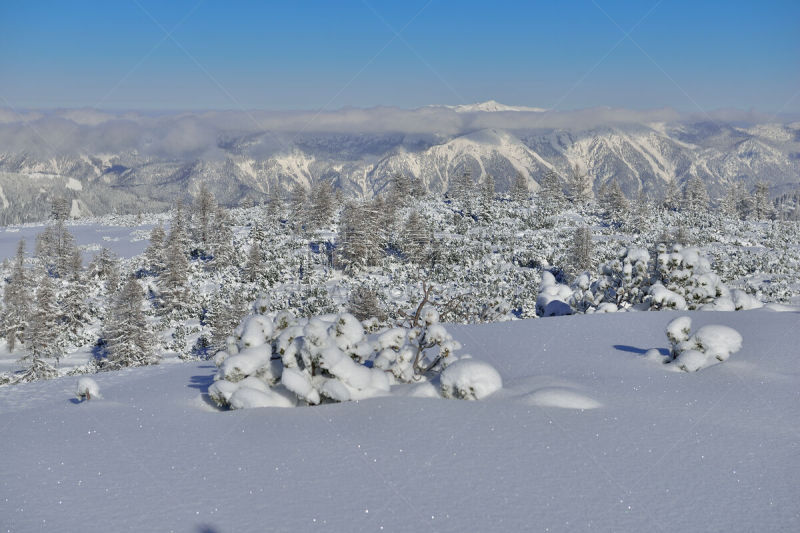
154,254
16,301
460,188
255,263
614,201
672,196
487,197
762,206
415,237
173,283
42,335
322,204
550,198
59,208
580,254
298,200
400,189
55,247
519,192
203,211
695,195
224,313
126,332
221,240
360,235
579,186
275,204
363,303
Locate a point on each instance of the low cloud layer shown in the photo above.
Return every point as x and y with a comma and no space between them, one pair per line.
91,131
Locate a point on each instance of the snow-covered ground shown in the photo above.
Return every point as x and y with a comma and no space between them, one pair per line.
587,435
123,241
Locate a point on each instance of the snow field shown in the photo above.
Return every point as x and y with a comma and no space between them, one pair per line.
714,450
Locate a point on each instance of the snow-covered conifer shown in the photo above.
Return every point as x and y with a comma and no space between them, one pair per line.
221,239
762,206
255,263
154,254
488,193
551,198
580,255
126,331
695,195
203,210
16,301
519,191
672,196
579,186
42,335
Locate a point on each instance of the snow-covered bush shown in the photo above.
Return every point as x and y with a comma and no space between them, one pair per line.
625,280
687,273
87,388
469,379
708,346
310,360
410,353
553,297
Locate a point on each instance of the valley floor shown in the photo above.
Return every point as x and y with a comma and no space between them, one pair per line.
587,435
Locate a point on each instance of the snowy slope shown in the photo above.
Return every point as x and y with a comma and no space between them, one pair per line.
661,451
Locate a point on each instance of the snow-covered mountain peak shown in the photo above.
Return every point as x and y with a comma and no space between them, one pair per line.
492,106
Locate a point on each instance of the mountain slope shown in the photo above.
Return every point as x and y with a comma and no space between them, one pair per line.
239,165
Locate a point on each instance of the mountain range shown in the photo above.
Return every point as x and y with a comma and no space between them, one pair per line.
126,162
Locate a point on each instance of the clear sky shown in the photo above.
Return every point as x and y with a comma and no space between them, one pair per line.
214,54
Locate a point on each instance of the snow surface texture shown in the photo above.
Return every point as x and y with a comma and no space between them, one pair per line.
715,450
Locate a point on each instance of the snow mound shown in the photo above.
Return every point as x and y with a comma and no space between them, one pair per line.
562,398
87,388
469,379
247,398
718,341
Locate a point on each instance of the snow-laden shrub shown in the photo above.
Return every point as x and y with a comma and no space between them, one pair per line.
282,361
87,388
468,379
625,280
413,353
310,360
553,297
708,346
687,273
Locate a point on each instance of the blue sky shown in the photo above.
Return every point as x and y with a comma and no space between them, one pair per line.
690,55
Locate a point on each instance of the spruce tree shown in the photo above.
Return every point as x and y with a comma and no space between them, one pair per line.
173,289
581,249
762,206
487,198
154,254
519,192
222,240
580,186
551,197
695,195
202,216
16,298
42,336
254,265
672,196
126,332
